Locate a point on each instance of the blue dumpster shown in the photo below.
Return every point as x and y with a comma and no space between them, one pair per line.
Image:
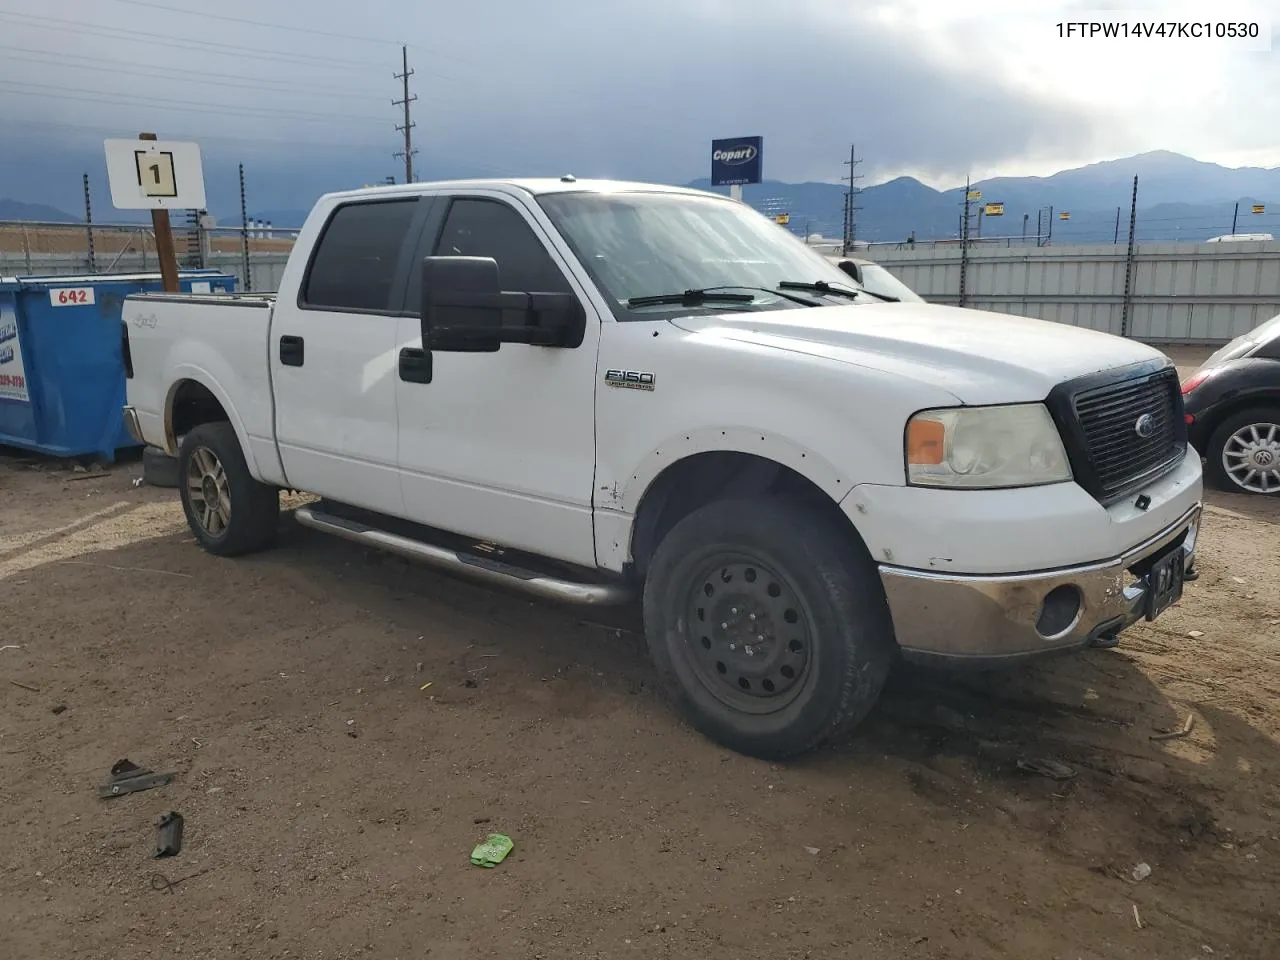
61,372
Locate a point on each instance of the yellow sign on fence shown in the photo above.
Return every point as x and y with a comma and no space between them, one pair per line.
975,194
1064,215
1259,208
782,218
994,209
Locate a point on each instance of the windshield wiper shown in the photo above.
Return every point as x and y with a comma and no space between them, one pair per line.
692,298
821,286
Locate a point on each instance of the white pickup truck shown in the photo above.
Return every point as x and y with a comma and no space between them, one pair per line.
600,391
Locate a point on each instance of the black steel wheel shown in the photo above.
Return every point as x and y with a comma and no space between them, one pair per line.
753,634
768,624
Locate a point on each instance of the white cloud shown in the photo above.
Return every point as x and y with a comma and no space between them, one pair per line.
936,88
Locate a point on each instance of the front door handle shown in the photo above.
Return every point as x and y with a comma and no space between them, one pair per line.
291,351
415,365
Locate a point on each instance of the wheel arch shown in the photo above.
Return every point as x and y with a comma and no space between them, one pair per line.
1224,410
696,479
193,399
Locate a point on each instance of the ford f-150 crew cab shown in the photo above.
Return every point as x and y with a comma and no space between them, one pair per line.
602,391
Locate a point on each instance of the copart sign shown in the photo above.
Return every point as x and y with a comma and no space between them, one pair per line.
736,161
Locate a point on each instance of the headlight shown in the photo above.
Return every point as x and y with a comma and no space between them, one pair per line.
985,447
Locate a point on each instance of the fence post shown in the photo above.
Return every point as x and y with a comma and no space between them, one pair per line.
26,249
244,236
88,225
1128,263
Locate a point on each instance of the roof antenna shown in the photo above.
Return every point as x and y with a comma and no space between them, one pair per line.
568,178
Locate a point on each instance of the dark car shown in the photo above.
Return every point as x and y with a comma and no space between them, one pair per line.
1233,412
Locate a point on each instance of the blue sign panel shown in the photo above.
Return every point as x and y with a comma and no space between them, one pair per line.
736,161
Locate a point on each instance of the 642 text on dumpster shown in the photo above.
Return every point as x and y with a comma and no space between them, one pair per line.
70,296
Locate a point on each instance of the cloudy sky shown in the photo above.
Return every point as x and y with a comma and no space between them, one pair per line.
636,88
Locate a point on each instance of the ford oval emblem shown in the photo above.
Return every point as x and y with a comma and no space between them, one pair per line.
1145,427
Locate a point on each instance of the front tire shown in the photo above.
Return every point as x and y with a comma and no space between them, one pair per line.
229,511
768,624
1243,454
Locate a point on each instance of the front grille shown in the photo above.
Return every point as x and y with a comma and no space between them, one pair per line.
1119,457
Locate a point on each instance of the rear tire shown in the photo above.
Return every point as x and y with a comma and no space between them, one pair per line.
768,625
1246,441
229,511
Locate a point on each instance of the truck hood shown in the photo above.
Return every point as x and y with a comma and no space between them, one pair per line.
978,356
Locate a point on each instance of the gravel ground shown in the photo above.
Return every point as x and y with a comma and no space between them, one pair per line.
345,727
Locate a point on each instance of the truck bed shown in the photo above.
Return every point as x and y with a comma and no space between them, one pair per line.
219,339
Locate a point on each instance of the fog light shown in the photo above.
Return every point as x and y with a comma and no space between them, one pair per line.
1059,612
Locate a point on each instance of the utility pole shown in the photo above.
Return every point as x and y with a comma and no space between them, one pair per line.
850,201
1117,238
407,129
1234,217
88,225
1025,217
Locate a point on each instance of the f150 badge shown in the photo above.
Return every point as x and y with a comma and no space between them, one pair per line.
629,379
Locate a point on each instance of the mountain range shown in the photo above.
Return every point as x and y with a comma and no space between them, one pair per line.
1179,198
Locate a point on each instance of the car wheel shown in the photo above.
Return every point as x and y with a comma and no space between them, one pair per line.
1243,454
768,625
229,511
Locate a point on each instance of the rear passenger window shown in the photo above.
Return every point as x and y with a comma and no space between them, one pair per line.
489,228
356,259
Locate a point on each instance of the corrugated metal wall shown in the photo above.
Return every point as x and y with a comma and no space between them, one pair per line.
1182,293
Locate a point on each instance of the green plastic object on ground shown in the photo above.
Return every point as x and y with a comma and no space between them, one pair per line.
492,852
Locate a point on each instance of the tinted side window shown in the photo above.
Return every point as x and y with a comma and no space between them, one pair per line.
356,259
489,228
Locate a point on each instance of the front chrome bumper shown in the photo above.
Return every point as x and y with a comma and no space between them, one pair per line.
944,617
132,425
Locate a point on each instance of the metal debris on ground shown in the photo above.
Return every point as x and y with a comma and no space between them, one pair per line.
1136,919
128,777
169,835
162,884
493,851
1175,734
25,686
1141,872
1047,768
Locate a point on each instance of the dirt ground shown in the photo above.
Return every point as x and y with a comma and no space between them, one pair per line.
345,727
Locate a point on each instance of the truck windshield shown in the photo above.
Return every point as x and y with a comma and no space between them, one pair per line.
650,247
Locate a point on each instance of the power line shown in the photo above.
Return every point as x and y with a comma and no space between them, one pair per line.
195,76
162,103
407,128
103,31
179,135
255,23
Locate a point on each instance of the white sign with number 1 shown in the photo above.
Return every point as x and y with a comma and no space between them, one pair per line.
155,175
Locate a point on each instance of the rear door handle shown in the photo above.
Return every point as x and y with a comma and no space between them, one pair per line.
291,351
415,365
